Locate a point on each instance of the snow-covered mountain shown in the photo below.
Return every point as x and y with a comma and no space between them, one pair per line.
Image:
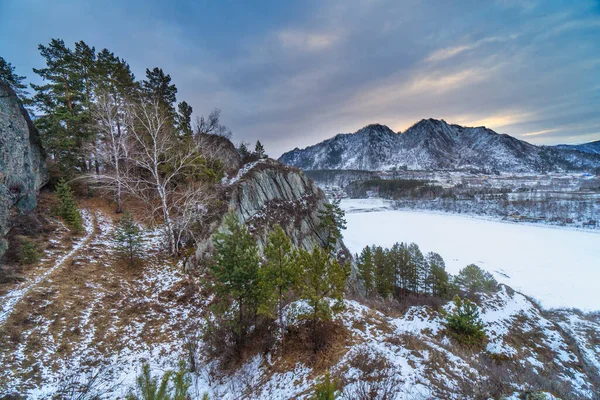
591,147
434,144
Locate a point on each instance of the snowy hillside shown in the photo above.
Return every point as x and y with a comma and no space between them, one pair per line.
592,147
435,145
84,321
544,262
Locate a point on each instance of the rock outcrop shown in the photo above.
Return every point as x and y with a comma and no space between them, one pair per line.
221,149
22,162
267,192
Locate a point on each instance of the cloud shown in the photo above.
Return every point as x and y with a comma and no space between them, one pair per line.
306,41
497,121
542,132
294,73
443,54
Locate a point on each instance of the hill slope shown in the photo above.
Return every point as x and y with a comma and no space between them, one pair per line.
591,147
436,145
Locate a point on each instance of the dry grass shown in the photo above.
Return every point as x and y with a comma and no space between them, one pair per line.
334,342
91,302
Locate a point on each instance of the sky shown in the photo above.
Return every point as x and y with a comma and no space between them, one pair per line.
293,73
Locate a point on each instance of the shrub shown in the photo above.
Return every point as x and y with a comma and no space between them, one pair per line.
29,253
464,324
67,207
376,380
149,388
129,241
326,389
473,279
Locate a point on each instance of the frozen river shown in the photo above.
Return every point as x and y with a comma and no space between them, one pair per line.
558,267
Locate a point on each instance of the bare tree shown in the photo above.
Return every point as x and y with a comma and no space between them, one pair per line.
112,145
147,160
212,125
163,163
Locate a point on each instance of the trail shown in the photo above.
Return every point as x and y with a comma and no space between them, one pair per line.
10,300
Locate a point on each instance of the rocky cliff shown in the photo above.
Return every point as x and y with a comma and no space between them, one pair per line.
267,192
22,162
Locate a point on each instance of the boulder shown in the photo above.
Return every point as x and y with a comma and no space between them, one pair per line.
220,148
22,162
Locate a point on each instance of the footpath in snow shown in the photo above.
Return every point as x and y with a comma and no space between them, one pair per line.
13,297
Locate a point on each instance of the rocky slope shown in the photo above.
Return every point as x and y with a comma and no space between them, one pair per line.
265,193
22,162
436,145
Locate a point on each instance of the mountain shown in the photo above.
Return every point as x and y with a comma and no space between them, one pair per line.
434,144
591,147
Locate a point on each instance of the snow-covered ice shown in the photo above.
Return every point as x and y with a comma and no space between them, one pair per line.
558,267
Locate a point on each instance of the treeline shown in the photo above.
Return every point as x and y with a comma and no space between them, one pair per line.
394,188
106,132
404,271
554,211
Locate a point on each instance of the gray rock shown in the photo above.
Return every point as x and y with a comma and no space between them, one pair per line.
22,162
221,149
272,193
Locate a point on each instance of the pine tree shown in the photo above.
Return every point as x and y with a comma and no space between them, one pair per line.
243,152
67,207
259,150
158,86
29,253
464,323
150,388
323,277
473,279
415,268
401,267
438,280
383,277
366,270
65,119
278,275
84,60
332,223
326,389
114,75
236,271
9,77
184,119
128,238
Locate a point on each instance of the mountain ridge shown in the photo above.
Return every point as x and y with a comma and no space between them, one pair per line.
432,144
589,147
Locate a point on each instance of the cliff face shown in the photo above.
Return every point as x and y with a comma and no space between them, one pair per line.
22,162
266,193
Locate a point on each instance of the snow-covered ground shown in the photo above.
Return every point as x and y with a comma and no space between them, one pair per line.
362,205
558,267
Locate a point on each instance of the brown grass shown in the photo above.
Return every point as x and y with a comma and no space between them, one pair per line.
335,340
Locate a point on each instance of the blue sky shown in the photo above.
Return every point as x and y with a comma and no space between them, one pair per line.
294,73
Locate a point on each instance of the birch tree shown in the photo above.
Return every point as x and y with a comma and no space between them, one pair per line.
162,162
113,146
